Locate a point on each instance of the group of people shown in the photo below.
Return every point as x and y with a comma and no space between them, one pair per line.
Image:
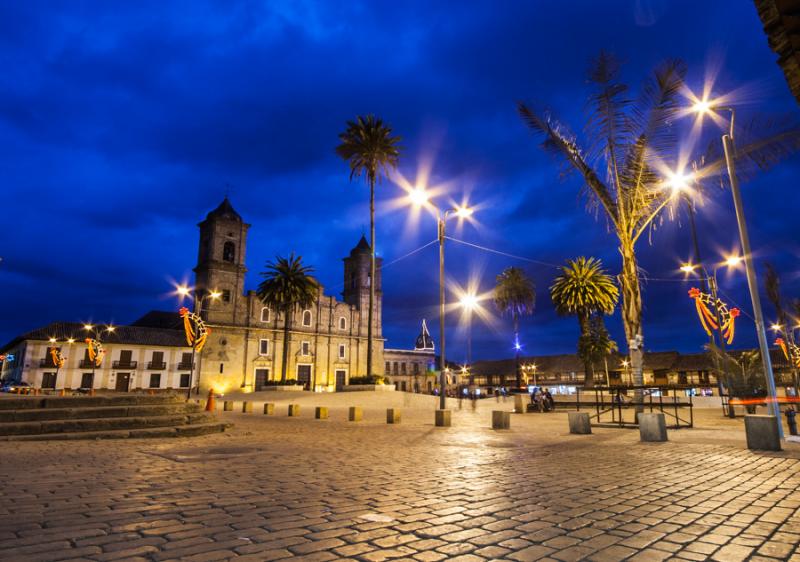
542,400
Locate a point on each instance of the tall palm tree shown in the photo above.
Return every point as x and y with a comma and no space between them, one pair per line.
371,150
515,295
287,286
584,288
631,140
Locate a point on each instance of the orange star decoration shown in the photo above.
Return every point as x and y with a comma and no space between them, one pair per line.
790,351
705,305
196,330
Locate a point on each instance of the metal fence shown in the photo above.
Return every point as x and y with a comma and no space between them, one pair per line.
615,406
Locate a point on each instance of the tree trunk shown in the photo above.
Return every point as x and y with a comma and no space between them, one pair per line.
632,316
588,374
287,320
516,349
371,270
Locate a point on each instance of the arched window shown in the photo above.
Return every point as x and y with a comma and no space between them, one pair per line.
265,314
229,251
306,318
342,323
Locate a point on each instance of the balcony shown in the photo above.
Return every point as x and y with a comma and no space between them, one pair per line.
87,364
156,365
125,364
185,366
48,362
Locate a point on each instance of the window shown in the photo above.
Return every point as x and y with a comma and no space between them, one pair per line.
416,368
186,361
226,295
341,351
184,382
228,251
388,368
263,347
395,368
265,314
158,356
342,323
305,348
221,368
49,380
306,318
155,380
125,357
403,368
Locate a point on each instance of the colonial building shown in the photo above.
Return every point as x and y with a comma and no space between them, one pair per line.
412,370
327,342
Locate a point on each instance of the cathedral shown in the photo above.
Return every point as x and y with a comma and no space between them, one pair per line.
328,342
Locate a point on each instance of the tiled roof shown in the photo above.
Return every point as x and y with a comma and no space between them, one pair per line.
164,319
137,335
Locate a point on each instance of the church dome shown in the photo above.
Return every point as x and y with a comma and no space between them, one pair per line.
224,211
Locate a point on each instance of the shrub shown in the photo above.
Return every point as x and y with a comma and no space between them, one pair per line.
369,379
287,382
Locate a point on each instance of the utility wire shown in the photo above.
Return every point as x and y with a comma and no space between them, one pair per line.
500,253
409,254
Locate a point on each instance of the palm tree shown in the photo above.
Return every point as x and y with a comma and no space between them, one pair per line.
287,285
514,295
584,289
371,151
596,344
631,140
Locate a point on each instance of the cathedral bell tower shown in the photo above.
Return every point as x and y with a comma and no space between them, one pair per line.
357,281
220,263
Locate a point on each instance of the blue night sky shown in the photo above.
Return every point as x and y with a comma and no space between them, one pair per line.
121,125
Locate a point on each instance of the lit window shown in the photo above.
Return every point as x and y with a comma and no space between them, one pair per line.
305,348
265,314
342,323
226,295
306,318
263,347
341,351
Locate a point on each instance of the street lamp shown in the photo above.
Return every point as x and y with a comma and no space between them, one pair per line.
197,308
532,369
95,346
419,198
711,281
56,358
469,302
703,107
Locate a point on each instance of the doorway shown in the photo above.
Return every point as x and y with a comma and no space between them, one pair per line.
123,382
341,375
262,376
49,380
304,376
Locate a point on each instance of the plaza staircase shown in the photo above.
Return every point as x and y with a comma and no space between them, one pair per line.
29,418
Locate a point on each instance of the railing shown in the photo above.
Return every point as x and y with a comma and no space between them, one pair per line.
156,365
47,363
125,364
87,364
614,407
185,366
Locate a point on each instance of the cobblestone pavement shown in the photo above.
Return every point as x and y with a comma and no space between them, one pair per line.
279,487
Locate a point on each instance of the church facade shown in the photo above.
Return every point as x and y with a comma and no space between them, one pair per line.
328,341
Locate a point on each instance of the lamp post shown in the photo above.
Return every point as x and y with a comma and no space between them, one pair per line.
419,198
95,332
728,146
469,301
711,281
197,308
56,357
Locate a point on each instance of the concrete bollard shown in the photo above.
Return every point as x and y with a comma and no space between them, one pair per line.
321,413
443,418
652,427
762,432
519,404
294,410
579,423
227,406
501,419
247,407
269,409
392,415
355,414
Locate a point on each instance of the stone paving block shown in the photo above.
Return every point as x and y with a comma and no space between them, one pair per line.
247,407
355,414
269,409
501,419
443,418
579,423
762,433
227,406
321,413
393,415
293,410
652,427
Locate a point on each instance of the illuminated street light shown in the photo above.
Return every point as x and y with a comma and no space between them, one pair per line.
678,181
703,107
776,327
197,308
419,198
469,302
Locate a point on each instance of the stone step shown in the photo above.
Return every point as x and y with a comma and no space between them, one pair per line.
34,402
42,414
139,433
102,424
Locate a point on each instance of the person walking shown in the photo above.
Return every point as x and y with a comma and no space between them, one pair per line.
791,420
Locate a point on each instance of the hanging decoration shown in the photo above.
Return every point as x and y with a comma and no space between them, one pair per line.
57,358
196,330
96,351
705,306
791,351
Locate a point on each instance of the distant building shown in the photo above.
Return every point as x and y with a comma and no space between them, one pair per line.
412,370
